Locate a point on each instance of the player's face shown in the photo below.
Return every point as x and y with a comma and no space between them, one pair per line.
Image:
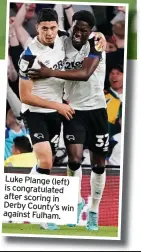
80,34
47,32
116,79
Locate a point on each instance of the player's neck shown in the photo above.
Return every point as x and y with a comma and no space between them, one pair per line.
43,43
78,48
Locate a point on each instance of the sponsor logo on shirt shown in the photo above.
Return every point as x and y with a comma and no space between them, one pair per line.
23,65
39,135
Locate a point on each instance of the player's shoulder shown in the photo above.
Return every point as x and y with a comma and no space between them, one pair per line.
28,56
26,61
93,42
30,49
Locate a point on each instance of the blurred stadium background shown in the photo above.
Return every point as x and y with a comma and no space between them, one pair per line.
132,34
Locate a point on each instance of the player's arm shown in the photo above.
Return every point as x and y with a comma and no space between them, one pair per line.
25,84
83,74
25,90
26,96
89,65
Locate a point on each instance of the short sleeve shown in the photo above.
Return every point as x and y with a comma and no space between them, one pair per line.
93,49
26,61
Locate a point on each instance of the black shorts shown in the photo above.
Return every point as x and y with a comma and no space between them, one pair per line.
44,127
89,128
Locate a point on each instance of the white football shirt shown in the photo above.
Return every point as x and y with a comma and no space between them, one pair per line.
85,95
50,89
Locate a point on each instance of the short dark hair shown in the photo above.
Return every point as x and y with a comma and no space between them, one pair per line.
85,16
23,144
118,67
47,14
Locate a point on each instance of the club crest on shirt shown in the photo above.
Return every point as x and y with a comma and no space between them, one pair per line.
23,65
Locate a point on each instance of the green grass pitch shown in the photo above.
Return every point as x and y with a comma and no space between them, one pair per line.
34,229
2,27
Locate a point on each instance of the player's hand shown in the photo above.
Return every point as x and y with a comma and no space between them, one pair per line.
100,41
42,72
66,111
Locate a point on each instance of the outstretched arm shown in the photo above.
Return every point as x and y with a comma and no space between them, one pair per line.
89,65
83,74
